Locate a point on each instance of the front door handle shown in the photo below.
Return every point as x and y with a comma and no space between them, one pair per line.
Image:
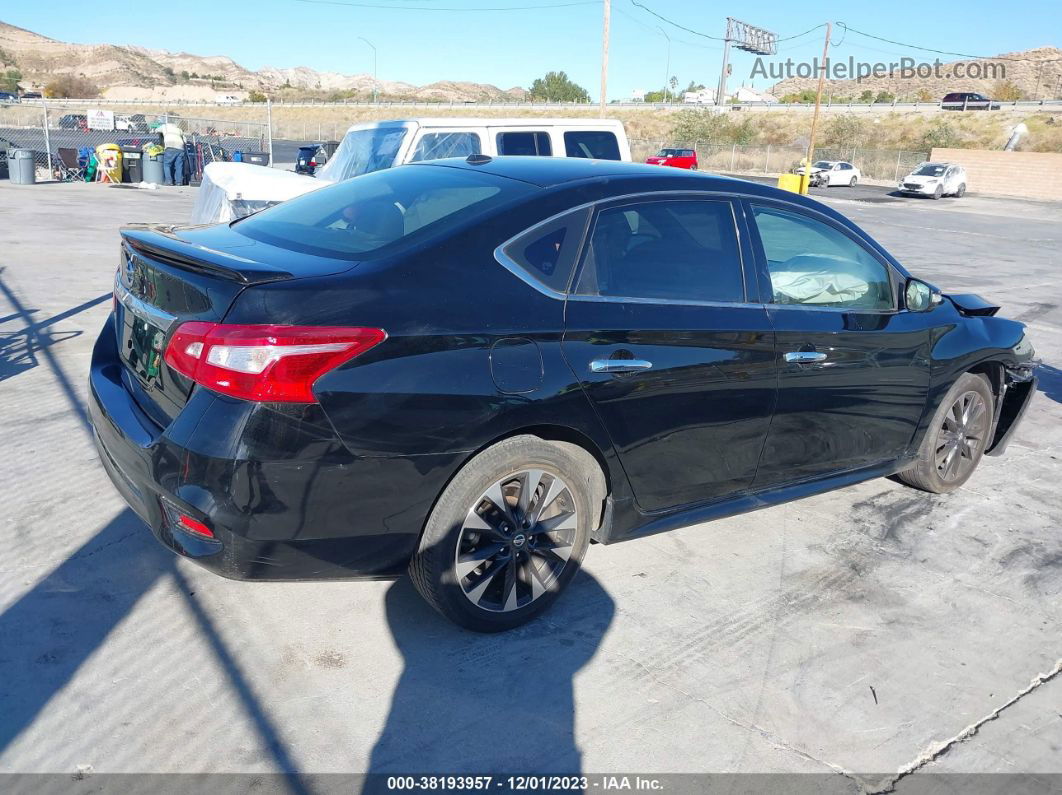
805,357
619,365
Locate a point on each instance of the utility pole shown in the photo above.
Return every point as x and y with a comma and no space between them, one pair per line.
374,81
667,69
806,176
607,4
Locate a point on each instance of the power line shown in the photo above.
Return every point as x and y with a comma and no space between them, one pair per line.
451,8
717,38
946,52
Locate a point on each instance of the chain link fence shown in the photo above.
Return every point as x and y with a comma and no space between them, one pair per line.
876,165
44,129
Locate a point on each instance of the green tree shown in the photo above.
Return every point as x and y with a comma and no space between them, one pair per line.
72,87
939,134
1007,91
884,96
845,129
701,125
185,76
9,80
557,87
807,95
256,96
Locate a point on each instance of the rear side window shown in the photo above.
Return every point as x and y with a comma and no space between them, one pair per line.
666,250
433,146
547,253
379,212
524,143
593,144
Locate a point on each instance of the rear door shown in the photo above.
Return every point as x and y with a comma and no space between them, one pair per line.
524,141
853,368
661,335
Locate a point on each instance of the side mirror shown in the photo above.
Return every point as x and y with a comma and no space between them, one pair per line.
921,297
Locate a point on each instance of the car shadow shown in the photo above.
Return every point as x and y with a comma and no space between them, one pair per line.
487,704
1050,382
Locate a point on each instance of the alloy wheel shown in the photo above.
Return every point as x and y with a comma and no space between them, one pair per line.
961,437
516,540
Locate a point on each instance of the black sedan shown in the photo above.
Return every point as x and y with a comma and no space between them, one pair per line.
470,369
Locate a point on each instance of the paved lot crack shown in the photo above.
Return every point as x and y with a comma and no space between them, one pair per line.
937,750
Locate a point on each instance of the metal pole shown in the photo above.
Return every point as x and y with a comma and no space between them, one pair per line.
269,128
607,8
47,135
667,69
806,178
374,82
720,92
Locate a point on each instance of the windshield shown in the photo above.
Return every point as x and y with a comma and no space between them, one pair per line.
929,170
362,152
667,152
823,164
377,213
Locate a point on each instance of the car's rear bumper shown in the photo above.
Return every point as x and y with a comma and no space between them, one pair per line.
283,497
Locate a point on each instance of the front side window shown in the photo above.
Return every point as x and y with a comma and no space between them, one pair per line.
813,263
683,251
433,146
592,144
524,143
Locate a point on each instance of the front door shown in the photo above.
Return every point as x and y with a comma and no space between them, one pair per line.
661,335
853,367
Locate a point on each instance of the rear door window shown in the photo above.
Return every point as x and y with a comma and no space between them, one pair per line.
433,146
524,143
597,145
682,250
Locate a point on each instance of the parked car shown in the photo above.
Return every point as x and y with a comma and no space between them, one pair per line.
73,121
135,122
825,173
32,95
936,180
967,100
471,368
676,158
306,160
227,99
7,96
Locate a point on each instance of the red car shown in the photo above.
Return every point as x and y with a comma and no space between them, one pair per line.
678,158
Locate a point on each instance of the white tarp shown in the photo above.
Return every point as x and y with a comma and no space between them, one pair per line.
233,190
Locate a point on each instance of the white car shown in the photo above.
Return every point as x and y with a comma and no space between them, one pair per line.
936,180
832,172
227,99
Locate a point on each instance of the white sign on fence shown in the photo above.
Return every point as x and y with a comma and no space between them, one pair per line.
100,119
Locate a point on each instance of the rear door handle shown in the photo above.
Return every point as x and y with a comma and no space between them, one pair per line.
805,357
619,365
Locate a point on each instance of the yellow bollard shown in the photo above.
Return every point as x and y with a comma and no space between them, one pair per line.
792,182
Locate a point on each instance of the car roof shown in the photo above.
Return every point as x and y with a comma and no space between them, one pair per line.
462,122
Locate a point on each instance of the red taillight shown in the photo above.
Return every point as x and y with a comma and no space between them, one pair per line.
313,164
275,364
194,526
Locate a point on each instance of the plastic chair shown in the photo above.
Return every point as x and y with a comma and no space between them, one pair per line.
69,166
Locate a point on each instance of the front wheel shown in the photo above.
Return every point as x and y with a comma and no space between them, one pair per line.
961,191
956,438
938,192
508,533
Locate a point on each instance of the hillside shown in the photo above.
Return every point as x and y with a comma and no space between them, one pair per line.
131,72
1036,74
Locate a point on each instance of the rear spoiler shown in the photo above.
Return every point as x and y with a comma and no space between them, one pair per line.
162,243
969,304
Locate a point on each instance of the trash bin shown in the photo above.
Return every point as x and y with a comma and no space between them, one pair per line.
151,165
257,158
110,163
22,168
132,165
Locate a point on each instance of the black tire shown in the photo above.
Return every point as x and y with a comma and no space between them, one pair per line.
852,182
926,474
938,192
448,533
961,191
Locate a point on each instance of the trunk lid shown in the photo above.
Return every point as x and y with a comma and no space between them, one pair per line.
170,275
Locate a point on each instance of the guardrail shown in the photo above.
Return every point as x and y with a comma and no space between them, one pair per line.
1047,104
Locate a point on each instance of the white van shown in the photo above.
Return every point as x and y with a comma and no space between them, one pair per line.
372,146
232,190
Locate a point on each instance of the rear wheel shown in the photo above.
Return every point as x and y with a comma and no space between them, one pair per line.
956,439
852,182
961,191
508,533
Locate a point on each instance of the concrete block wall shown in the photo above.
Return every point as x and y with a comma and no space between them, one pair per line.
1028,175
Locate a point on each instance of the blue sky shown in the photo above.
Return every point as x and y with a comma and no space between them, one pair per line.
514,47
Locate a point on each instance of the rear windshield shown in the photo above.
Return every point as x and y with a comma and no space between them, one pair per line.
380,212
